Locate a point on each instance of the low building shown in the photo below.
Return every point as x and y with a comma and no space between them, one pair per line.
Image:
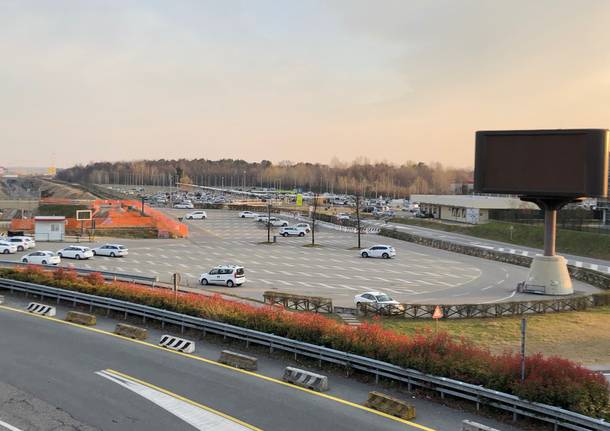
472,209
49,228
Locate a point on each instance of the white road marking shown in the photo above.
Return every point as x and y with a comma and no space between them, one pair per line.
8,426
195,416
345,286
327,286
488,287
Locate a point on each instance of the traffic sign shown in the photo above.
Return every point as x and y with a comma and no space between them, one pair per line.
438,313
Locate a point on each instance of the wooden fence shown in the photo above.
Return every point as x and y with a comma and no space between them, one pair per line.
299,302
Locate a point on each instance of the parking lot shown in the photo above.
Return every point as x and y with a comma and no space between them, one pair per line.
334,269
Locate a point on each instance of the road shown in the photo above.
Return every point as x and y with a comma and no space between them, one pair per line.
102,381
579,261
418,274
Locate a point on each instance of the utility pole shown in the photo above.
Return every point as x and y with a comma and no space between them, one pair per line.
358,217
523,328
313,219
269,222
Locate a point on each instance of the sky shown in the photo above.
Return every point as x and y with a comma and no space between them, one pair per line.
388,80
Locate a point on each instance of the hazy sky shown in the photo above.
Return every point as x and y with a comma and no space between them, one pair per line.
293,80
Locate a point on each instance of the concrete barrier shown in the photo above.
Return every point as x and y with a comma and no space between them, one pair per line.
390,405
41,309
306,379
81,318
175,343
1,299
473,426
238,360
131,331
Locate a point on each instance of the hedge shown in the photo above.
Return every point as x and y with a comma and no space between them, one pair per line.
550,380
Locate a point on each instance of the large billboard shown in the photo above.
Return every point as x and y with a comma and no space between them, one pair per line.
545,163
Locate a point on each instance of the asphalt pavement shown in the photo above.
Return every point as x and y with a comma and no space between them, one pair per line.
102,381
579,261
418,274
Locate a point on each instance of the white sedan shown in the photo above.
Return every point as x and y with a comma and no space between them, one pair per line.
42,258
277,222
377,300
196,215
384,251
248,214
7,247
112,250
75,252
184,206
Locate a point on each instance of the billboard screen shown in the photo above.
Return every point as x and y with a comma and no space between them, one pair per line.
553,163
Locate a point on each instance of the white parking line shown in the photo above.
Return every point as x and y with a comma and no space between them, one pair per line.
9,427
345,286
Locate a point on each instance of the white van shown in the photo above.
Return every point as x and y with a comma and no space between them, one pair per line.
226,275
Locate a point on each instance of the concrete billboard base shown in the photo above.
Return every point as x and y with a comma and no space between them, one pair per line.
549,275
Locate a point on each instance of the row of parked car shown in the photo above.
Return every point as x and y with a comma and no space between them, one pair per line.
299,229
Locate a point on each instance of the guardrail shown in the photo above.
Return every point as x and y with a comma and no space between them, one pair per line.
140,279
477,394
349,229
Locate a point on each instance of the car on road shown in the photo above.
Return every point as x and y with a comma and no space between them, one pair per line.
226,275
276,222
384,251
196,215
184,206
22,242
304,226
248,214
292,231
42,258
379,301
112,250
7,247
75,252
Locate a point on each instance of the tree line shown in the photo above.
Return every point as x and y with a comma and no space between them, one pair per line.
359,177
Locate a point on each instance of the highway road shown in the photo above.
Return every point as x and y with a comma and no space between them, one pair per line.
418,274
94,380
580,261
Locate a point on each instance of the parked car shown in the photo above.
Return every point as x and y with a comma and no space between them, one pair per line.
196,215
226,275
112,250
342,216
275,222
248,214
292,231
264,218
184,206
19,242
41,258
7,247
304,226
384,251
378,300
75,252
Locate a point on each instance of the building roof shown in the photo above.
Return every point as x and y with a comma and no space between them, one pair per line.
49,218
474,201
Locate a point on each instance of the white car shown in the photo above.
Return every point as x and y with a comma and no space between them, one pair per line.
276,222
75,252
184,206
42,258
304,226
112,250
378,300
226,275
342,216
292,231
28,240
20,242
248,214
7,247
384,251
196,215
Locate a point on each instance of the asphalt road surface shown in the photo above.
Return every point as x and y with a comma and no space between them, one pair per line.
92,379
579,261
417,274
